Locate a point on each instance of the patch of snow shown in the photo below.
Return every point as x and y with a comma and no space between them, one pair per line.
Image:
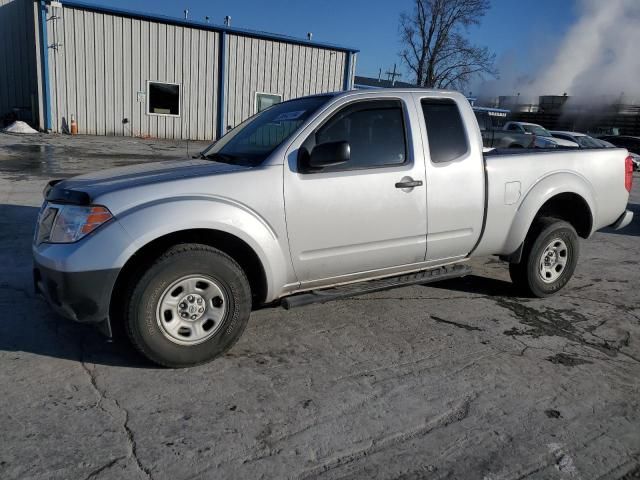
19,127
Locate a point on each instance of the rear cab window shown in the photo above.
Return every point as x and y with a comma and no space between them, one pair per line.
445,129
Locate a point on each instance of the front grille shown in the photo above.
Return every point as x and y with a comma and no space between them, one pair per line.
45,223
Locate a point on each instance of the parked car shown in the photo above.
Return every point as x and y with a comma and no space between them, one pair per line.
604,143
634,156
312,200
491,121
624,141
632,144
538,131
581,139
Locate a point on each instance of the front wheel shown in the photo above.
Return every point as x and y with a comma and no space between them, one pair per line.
549,258
189,307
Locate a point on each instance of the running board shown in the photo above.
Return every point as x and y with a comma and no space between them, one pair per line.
353,289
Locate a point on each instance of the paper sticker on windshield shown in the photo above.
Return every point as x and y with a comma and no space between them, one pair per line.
289,116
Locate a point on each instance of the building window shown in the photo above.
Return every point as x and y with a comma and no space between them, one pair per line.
163,99
265,100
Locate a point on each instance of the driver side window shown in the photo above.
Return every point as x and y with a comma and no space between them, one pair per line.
374,130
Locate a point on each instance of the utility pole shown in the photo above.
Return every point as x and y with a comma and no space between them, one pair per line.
391,76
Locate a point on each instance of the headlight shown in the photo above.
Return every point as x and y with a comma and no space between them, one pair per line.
74,222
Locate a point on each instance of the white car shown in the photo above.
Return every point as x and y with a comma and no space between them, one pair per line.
582,139
538,131
635,158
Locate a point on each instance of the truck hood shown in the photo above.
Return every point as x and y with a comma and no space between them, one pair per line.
84,188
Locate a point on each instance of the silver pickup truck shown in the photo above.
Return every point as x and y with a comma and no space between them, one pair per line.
312,200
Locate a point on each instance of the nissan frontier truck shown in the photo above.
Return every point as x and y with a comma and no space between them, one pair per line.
311,200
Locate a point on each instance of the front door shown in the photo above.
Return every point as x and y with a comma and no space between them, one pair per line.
359,216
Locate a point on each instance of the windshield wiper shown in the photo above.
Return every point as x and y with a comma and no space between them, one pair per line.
227,158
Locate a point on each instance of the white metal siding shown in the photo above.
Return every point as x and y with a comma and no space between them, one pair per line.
18,77
267,66
105,60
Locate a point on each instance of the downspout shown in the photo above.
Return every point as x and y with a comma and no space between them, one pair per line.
347,71
44,56
222,74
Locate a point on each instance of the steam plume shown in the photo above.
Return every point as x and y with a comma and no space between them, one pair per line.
600,55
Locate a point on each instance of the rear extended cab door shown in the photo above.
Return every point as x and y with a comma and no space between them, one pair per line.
455,173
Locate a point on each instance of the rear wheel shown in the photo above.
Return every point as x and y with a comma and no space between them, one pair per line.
189,307
549,258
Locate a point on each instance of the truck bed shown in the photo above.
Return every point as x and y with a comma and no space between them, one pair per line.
597,175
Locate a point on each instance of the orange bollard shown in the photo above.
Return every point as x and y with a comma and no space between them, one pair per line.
74,126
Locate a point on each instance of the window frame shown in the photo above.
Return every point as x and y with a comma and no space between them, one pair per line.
269,94
148,112
467,152
339,168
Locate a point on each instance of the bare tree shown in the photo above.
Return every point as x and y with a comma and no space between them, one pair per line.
435,48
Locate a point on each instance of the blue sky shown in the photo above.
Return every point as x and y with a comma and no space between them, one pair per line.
519,32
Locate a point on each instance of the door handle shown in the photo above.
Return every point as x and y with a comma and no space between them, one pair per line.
409,183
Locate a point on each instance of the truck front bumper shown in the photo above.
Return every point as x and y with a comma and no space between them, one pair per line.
77,279
623,220
78,296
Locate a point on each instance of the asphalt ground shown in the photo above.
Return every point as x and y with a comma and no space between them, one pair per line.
462,379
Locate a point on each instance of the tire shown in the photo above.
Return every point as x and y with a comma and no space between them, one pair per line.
557,242
188,281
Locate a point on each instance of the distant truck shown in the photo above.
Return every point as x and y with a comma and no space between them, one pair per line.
492,121
311,200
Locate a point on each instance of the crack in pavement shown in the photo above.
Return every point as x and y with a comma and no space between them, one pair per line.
456,414
552,322
624,308
106,466
456,324
102,396
133,446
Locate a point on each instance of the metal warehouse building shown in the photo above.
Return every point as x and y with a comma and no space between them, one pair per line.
127,73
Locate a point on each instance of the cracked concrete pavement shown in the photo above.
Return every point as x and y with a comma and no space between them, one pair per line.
461,379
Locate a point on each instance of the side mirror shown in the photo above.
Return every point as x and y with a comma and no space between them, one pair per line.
329,154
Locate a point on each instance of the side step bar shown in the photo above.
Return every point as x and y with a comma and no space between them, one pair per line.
351,290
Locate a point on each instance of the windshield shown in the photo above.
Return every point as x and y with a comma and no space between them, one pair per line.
536,130
588,142
251,142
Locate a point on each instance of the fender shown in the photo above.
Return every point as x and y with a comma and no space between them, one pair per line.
542,190
150,221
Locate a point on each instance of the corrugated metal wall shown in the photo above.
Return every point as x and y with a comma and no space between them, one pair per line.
100,64
266,66
18,77
105,60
